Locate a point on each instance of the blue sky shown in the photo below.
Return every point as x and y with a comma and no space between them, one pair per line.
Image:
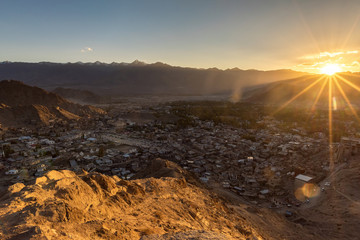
261,34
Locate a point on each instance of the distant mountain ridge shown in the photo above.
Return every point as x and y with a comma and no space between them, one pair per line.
21,104
139,78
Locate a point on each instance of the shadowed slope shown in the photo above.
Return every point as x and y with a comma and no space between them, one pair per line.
21,104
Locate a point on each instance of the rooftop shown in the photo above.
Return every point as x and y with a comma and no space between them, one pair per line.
303,178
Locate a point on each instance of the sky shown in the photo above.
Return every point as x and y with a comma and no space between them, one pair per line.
303,35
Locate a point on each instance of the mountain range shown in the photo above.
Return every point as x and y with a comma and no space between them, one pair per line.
139,78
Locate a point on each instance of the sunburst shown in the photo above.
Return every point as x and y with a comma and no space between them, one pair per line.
334,81
331,69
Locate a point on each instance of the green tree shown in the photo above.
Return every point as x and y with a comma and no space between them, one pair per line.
101,152
7,150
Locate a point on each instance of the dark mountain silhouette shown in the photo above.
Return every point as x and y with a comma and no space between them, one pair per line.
139,78
22,104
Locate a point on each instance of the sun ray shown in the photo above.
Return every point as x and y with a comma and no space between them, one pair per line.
303,79
318,95
350,74
298,95
349,83
352,29
307,27
330,127
346,99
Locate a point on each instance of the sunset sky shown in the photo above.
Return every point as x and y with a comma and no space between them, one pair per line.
254,34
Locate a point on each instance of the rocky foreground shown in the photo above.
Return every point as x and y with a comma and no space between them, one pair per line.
64,205
167,202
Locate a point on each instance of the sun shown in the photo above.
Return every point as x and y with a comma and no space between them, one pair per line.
331,69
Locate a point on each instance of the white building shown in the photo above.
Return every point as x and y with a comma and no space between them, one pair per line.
12,172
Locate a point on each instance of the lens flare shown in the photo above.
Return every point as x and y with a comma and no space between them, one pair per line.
334,104
307,191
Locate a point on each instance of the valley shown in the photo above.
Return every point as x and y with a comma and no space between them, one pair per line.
243,157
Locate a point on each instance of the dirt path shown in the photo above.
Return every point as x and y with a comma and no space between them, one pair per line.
322,185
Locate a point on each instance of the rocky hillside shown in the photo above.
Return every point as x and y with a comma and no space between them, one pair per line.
63,205
21,104
168,204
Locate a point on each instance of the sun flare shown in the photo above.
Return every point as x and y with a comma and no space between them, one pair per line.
330,69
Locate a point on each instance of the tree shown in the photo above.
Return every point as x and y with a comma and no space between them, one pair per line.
7,150
101,152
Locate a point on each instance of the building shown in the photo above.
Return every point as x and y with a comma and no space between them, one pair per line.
12,172
303,178
303,187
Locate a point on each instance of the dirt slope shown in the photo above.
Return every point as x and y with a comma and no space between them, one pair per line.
336,212
61,205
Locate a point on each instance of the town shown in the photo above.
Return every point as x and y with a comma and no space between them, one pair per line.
260,165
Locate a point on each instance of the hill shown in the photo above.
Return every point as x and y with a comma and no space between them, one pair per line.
139,78
21,104
81,96
64,205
